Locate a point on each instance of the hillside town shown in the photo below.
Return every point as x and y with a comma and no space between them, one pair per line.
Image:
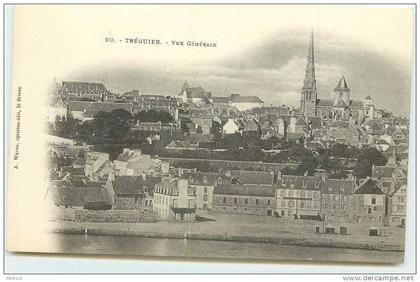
192,156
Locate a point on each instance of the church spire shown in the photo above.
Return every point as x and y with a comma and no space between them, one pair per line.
310,81
309,94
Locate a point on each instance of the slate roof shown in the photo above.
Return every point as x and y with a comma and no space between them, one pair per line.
244,190
316,122
83,87
338,186
245,99
73,170
253,177
369,187
80,196
297,182
382,171
324,102
356,104
222,100
128,185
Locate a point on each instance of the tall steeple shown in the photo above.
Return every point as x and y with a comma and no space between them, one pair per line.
309,93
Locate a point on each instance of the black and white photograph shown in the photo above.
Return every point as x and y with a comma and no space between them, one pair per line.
264,133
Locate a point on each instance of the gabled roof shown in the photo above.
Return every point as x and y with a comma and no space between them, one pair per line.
244,190
369,187
128,185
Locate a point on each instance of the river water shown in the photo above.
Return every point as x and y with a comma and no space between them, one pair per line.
141,246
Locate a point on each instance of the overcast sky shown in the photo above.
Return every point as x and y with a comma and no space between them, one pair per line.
261,51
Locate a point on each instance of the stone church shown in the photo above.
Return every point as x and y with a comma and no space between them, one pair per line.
341,106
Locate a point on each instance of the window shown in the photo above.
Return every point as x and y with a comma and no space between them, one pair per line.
205,179
205,189
268,202
291,204
257,201
315,195
369,210
246,201
224,200
373,200
302,204
205,198
283,182
235,200
345,198
190,203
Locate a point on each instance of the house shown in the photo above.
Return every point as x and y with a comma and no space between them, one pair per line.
336,199
244,199
127,192
299,196
65,194
175,199
398,206
204,183
369,203
232,126
133,162
56,109
251,125
94,162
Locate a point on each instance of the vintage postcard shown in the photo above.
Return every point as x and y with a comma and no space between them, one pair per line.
246,132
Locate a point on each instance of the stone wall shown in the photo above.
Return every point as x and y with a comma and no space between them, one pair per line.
130,216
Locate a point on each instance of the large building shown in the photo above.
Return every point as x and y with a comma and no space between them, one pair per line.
341,106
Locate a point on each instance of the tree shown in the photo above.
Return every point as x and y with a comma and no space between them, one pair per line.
367,158
153,116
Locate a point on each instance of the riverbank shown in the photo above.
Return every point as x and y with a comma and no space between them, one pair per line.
221,237
237,228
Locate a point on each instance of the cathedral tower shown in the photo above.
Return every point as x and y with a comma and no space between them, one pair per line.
342,92
309,94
